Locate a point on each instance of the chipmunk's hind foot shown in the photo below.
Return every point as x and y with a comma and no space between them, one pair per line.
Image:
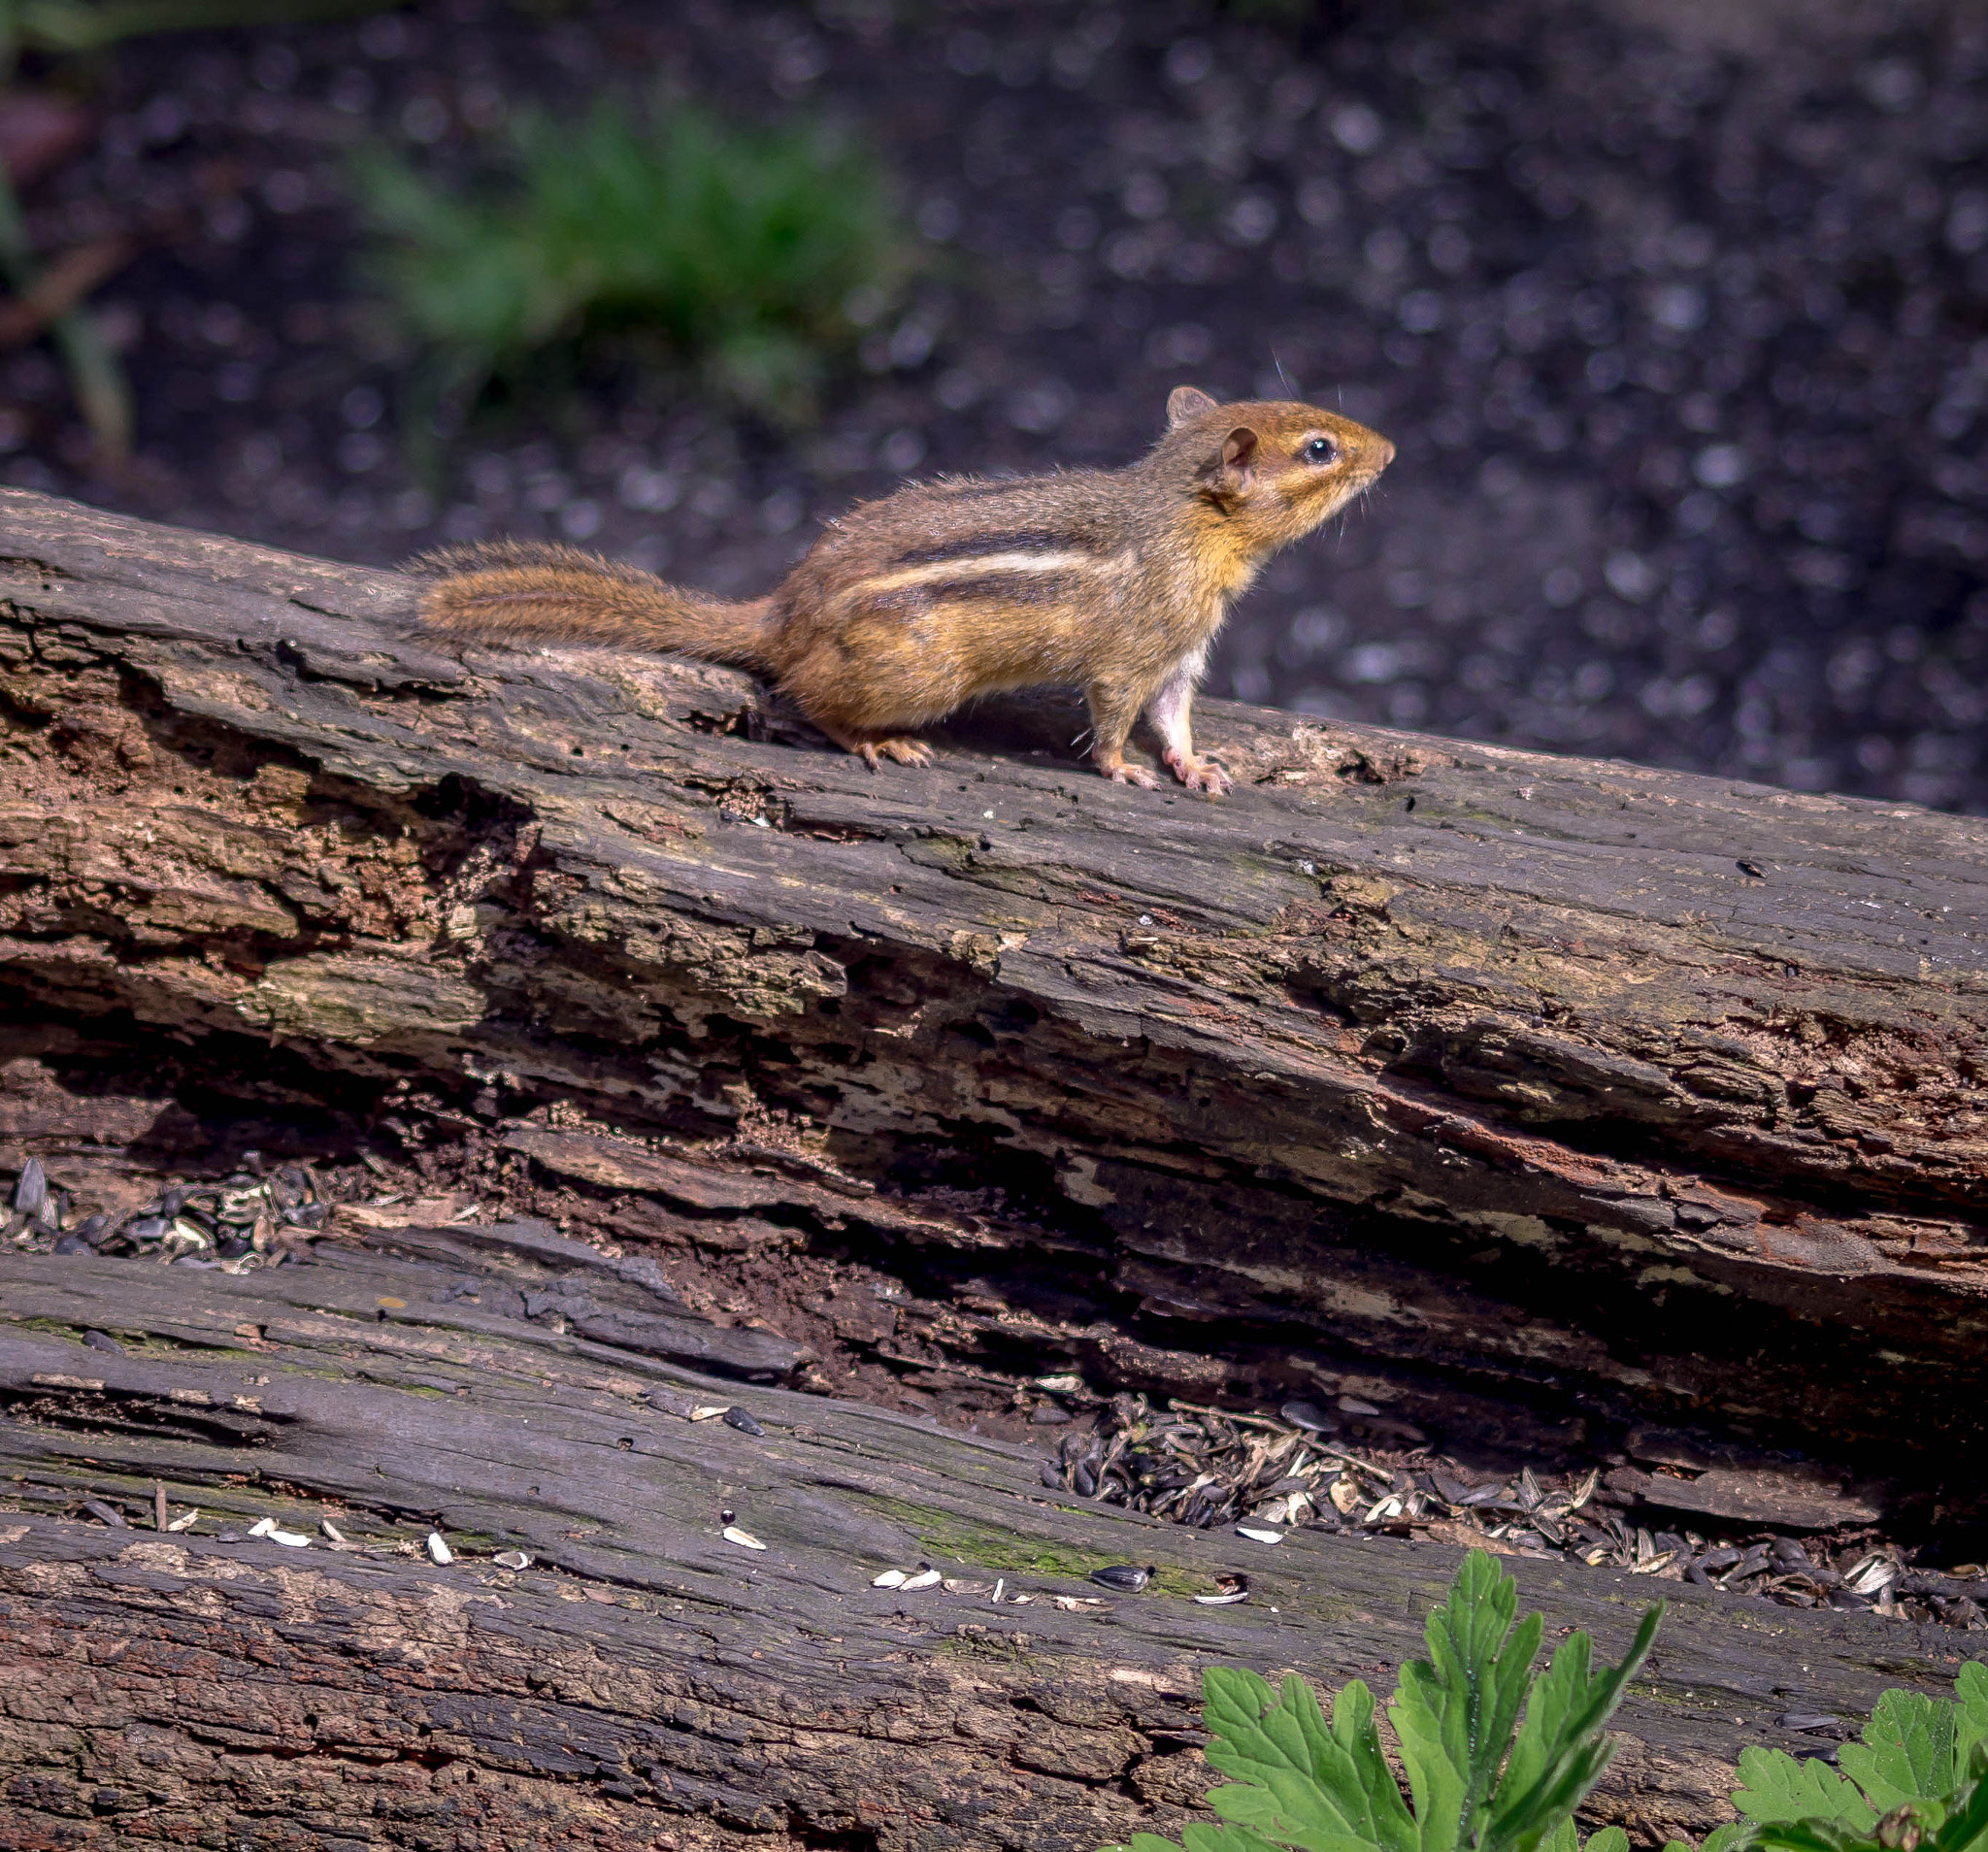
874,748
906,751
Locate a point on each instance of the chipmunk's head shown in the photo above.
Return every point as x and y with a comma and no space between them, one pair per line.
1275,469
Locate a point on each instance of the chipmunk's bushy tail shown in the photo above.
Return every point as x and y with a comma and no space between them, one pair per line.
534,591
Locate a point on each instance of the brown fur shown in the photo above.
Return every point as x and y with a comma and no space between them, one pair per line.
907,608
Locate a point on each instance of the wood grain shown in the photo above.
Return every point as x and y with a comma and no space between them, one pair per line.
644,1678
1549,1095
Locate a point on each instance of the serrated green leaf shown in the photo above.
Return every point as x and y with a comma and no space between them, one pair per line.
1562,1689
1576,1751
1435,1756
1454,1712
1296,1784
1908,1751
1722,1838
1808,1836
1966,1827
1389,1823
1608,1840
1775,1787
1200,1837
1971,1722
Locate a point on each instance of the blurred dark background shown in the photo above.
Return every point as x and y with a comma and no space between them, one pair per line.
1677,310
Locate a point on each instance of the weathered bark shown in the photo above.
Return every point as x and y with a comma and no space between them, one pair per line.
644,1682
1567,1091
1545,1093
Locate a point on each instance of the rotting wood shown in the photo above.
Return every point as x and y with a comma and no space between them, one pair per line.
643,1681
1498,1080
1506,1070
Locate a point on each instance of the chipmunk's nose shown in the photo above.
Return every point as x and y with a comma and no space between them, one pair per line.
1383,453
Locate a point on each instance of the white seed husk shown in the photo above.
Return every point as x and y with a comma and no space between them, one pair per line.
743,1538
890,1578
439,1552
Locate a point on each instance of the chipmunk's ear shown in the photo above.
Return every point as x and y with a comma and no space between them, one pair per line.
1184,403
1230,469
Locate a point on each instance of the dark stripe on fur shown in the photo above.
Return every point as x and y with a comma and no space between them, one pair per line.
977,546
993,589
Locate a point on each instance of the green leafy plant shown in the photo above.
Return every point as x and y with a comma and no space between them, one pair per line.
749,255
1918,1778
1497,1758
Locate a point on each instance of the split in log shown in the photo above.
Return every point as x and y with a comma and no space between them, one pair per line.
1534,1101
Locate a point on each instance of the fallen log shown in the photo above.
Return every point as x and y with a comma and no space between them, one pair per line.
1589,1089
1527,1102
695,1652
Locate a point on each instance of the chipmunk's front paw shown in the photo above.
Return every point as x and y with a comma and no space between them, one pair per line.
1123,774
1201,775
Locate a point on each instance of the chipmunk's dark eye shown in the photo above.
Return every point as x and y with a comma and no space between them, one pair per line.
1321,450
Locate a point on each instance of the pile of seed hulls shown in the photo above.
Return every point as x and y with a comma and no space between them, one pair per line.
252,1218
1266,1476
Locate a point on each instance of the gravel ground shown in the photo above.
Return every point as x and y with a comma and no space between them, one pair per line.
1679,316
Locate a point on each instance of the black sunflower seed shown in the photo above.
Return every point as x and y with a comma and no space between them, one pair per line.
1123,1576
101,1340
743,1422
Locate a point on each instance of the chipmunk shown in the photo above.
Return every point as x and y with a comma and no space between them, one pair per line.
907,608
